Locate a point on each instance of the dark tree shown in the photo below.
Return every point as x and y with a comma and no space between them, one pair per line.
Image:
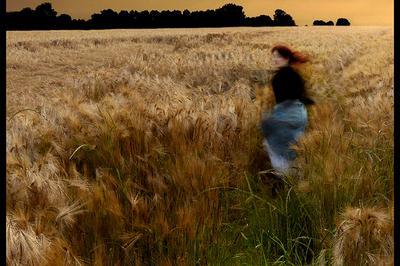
281,18
322,23
144,19
27,11
156,18
259,21
45,10
79,24
23,20
342,22
318,23
64,18
230,15
64,21
44,17
107,19
124,19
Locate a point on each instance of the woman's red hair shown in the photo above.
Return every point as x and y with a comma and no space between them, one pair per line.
294,57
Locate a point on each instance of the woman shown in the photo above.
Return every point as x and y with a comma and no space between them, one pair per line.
288,120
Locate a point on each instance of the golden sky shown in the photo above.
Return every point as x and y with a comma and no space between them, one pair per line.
359,12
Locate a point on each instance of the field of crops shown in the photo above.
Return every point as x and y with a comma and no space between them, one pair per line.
143,147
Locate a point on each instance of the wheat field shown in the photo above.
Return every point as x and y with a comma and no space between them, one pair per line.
143,147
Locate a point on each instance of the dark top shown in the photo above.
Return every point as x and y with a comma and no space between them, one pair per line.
289,85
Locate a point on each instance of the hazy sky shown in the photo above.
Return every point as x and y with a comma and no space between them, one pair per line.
359,12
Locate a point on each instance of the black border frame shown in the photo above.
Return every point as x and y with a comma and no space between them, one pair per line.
3,125
396,143
396,130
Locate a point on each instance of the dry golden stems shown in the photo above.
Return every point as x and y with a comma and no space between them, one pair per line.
364,237
135,136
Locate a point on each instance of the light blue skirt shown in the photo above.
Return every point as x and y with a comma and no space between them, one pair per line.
281,129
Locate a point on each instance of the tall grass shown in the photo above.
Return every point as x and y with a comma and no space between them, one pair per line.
144,148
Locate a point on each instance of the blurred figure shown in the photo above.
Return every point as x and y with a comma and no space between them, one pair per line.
288,120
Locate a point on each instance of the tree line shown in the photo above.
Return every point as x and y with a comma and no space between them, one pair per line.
44,17
339,22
